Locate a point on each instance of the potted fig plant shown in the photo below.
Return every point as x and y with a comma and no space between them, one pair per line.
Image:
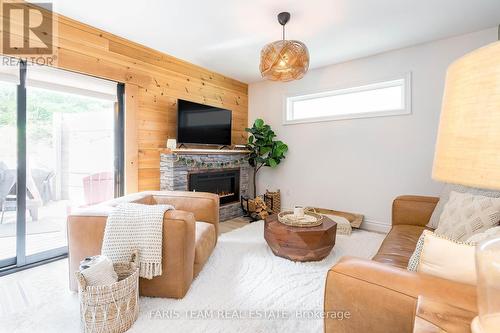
264,149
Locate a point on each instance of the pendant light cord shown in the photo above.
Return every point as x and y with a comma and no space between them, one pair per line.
499,32
283,19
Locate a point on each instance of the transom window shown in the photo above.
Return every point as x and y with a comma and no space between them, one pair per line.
385,98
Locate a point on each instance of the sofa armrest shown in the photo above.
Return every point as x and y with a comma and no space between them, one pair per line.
413,210
86,233
204,206
382,298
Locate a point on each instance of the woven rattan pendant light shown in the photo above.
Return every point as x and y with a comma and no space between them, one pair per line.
284,60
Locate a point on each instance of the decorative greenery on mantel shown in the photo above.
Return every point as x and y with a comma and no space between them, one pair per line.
265,151
193,163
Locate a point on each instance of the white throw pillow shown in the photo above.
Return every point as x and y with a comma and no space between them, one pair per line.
445,196
490,233
98,271
466,214
445,258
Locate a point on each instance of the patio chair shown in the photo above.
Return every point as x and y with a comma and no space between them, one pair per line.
8,194
98,187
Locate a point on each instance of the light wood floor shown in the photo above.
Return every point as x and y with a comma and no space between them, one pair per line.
232,224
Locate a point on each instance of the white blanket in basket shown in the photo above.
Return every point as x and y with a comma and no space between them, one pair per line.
133,226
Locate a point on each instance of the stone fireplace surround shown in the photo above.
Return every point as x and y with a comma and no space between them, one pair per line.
176,166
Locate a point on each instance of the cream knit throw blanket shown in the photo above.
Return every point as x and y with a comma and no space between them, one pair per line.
133,226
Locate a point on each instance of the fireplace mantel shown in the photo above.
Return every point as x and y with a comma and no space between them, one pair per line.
191,151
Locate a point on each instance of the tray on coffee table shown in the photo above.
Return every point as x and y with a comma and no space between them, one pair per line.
310,219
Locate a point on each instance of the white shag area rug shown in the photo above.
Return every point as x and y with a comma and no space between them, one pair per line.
242,288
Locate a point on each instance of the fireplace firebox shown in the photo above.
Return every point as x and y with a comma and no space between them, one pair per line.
225,183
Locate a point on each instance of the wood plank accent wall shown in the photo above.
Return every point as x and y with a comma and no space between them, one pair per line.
153,83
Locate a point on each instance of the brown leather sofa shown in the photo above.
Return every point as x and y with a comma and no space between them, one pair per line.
380,294
187,242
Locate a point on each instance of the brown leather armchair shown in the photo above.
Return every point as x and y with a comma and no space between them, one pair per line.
189,236
380,294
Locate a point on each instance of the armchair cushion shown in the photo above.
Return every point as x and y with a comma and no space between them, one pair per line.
205,240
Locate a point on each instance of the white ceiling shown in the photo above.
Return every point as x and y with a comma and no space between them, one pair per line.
227,35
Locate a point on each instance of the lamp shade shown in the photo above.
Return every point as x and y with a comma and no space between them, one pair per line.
468,143
284,60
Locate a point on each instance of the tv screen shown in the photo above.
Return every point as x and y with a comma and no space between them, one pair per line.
203,124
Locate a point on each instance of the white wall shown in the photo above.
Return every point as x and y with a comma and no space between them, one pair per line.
361,165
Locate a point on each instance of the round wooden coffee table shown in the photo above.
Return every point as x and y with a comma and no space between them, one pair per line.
300,244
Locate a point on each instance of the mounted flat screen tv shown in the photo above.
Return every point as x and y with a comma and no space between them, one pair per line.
203,124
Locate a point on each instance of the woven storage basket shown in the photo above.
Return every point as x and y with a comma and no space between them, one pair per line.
111,308
273,200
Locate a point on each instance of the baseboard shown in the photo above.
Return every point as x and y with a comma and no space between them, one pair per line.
377,226
368,224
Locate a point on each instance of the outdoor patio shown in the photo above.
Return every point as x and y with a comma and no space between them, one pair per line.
69,164
48,232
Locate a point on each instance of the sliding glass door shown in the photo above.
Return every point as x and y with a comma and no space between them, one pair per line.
70,132
8,165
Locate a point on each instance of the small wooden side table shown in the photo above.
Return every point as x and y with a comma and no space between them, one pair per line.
435,317
299,243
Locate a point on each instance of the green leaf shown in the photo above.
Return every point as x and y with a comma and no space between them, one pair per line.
259,123
281,149
264,150
260,160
